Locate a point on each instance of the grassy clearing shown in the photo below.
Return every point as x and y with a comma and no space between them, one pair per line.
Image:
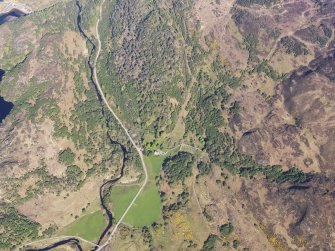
121,197
154,165
88,227
147,208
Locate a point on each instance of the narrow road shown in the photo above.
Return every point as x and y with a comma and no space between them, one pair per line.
138,149
96,80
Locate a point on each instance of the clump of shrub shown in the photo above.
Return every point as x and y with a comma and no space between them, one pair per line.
293,46
179,166
209,244
226,229
16,228
73,174
66,157
267,3
204,168
236,244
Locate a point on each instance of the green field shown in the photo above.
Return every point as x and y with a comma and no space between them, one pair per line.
154,165
88,227
121,197
147,207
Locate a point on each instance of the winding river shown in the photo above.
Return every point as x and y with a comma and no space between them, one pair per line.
72,241
107,185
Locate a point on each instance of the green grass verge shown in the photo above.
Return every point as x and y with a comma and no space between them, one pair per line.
147,207
88,227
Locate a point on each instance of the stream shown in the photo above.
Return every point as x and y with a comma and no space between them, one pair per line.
74,241
107,184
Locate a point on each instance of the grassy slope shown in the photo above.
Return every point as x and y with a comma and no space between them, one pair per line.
147,208
88,227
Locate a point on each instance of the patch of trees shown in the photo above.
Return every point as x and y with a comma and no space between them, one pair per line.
319,35
212,239
16,228
269,71
73,174
326,30
239,15
226,229
209,244
146,64
293,46
205,119
207,215
34,91
50,230
182,199
204,168
276,174
236,244
293,175
45,180
267,3
147,236
251,42
66,157
234,109
225,78
198,54
178,167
